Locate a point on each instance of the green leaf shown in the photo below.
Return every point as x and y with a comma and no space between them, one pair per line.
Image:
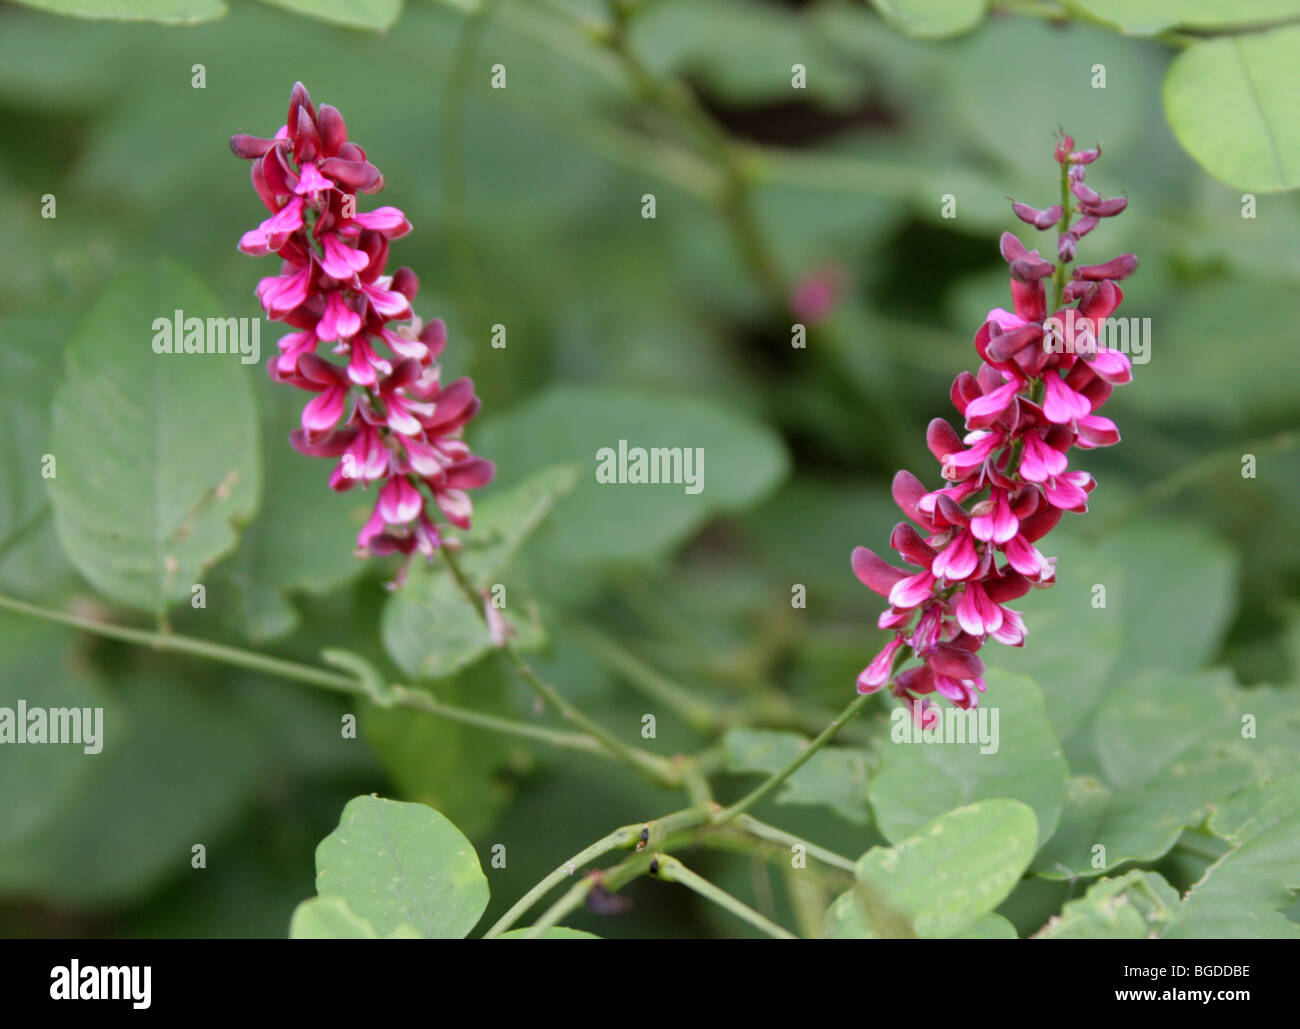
1027,764
1232,104
304,536
990,927
361,14
330,918
1072,644
41,667
1243,893
503,520
942,880
1135,906
169,12
454,768
555,932
157,453
396,863
1149,17
834,776
631,521
932,19
1170,746
28,372
181,769
432,631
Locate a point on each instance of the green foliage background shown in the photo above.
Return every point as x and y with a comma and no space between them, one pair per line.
527,207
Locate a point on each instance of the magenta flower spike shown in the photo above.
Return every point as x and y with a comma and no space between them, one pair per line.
1044,375
382,410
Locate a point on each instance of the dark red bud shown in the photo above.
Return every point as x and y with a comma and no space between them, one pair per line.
1120,267
964,389
333,132
1107,208
942,439
350,176
406,283
1038,219
249,147
1084,193
298,98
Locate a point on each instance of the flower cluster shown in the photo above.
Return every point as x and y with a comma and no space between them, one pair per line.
385,412
1008,480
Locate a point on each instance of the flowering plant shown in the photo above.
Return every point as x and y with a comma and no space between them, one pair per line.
390,420
1035,397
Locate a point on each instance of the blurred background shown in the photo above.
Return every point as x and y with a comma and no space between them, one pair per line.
822,205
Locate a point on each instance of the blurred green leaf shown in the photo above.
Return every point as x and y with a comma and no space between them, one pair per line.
941,880
401,864
29,346
1027,764
1244,892
990,927
932,19
743,460
170,12
330,918
834,776
503,520
555,932
1232,104
361,14
1148,17
181,768
304,535
157,453
1136,906
1171,746
41,667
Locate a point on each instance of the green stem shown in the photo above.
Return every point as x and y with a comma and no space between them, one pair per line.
658,769
761,791
668,868
620,839
401,696
771,833
697,713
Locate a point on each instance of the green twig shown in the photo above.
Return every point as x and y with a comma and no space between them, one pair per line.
668,868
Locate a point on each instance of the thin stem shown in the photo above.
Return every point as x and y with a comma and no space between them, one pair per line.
620,839
398,695
771,833
654,767
668,868
612,879
761,791
698,714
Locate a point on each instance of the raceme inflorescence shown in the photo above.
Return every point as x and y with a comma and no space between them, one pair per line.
1035,397
389,420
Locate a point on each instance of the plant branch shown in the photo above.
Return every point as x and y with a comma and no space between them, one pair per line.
668,868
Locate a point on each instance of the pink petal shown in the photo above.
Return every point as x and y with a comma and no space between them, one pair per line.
1061,404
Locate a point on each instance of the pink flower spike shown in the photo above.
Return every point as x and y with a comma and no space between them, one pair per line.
876,674
1062,405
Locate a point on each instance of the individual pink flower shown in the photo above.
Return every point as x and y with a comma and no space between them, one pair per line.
1008,480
